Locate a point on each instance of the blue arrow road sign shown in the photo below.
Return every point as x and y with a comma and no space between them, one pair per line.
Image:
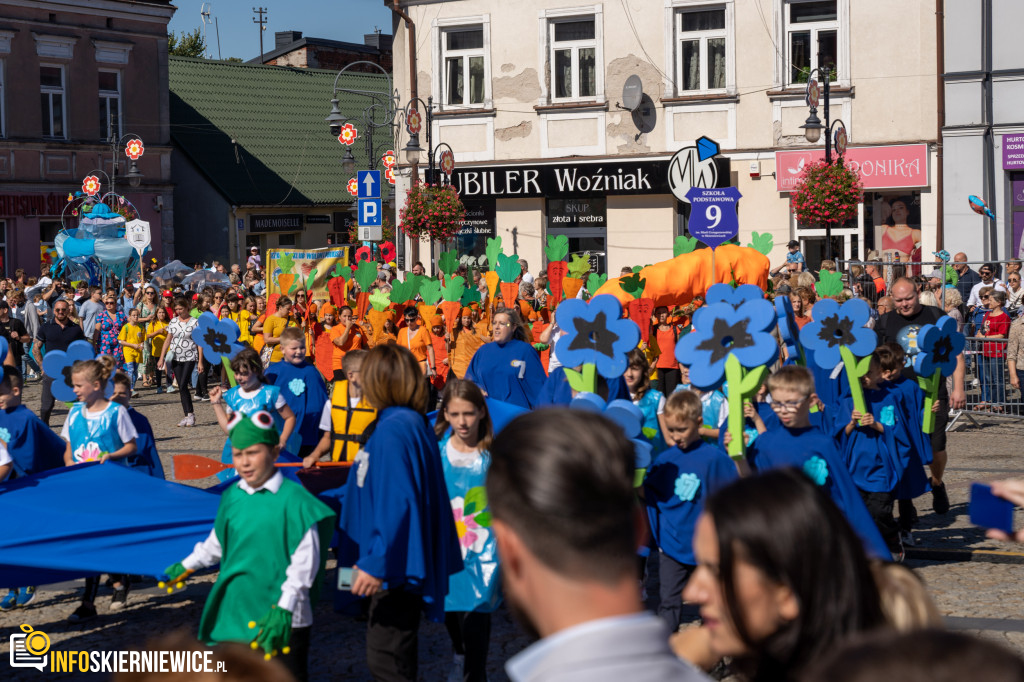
369,184
713,217
369,212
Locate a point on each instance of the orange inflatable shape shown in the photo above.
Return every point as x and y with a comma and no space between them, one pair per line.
679,280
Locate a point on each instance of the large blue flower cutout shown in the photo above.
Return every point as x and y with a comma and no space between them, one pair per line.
788,330
624,413
595,333
58,363
721,331
217,338
734,296
837,325
938,346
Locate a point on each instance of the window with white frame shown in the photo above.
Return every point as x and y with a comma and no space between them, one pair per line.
465,66
812,30
110,104
51,87
573,58
700,50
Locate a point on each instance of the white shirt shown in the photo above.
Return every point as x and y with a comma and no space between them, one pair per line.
326,424
5,459
974,299
299,575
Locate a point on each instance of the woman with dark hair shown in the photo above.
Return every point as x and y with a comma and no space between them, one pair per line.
781,577
508,368
187,355
400,541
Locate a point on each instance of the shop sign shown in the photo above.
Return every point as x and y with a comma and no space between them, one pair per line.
32,204
277,222
318,219
577,213
574,179
889,167
480,219
1013,152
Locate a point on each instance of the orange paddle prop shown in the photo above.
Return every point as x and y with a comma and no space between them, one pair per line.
194,467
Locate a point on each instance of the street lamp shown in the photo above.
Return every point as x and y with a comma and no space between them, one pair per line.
413,149
133,151
813,129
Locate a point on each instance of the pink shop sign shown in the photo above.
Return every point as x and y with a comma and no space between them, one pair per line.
904,165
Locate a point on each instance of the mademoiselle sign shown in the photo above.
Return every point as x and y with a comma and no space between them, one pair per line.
904,165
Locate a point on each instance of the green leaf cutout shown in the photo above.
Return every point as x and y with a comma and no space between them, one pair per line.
453,289
763,242
579,265
637,268
286,264
508,268
366,273
309,280
449,262
380,300
492,250
430,291
343,271
683,244
557,248
402,291
596,281
633,285
829,283
470,295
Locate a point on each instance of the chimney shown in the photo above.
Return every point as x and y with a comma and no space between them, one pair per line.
284,38
381,41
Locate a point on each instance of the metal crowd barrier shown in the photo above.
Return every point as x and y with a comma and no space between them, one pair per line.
987,384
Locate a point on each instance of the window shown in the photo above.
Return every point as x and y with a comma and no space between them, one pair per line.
700,52
465,71
3,247
287,239
51,86
110,104
48,231
812,29
573,59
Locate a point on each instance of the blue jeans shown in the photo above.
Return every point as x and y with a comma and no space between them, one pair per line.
132,370
992,388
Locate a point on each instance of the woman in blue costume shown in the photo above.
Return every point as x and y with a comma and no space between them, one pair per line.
398,533
464,427
508,368
252,394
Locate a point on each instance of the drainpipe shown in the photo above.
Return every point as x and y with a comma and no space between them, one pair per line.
940,85
413,94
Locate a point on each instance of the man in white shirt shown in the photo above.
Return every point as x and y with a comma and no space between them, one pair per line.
987,273
567,541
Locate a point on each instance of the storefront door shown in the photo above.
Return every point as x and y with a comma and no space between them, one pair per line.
585,223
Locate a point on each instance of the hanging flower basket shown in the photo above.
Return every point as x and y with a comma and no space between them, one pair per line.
432,212
826,193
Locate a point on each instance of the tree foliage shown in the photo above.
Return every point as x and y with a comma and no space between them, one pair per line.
189,44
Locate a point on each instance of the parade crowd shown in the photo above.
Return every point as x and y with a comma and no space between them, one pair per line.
511,494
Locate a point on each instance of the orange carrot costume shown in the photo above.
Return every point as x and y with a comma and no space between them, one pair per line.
440,353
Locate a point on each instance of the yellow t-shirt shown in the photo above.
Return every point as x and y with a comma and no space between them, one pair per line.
273,327
159,339
131,333
243,318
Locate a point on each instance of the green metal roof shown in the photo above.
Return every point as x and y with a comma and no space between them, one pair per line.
284,153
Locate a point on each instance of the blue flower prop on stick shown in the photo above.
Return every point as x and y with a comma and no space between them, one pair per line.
219,341
734,296
629,418
838,334
732,344
58,364
788,330
596,337
938,347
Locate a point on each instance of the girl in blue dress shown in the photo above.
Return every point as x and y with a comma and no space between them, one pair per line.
97,430
650,400
251,395
464,428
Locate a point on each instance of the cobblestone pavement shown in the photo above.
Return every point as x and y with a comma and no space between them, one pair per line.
973,580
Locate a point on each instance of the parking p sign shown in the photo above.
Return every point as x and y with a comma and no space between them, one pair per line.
370,206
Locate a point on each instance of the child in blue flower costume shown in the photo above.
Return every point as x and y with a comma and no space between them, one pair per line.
650,400
464,428
252,394
303,389
678,482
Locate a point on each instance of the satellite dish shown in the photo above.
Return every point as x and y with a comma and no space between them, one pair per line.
632,92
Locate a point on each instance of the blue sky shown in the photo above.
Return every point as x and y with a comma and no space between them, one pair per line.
332,19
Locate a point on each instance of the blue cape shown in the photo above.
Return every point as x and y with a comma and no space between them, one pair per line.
68,529
33,445
305,392
511,372
556,390
146,459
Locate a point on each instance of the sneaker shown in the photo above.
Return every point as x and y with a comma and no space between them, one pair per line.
159,390
10,601
83,612
190,420
184,421
940,500
907,537
458,664
26,595
205,399
120,598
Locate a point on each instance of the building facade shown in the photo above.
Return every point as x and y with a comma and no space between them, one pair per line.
70,75
564,117
292,49
983,136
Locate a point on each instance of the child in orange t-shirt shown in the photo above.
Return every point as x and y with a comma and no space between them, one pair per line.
345,336
440,344
324,348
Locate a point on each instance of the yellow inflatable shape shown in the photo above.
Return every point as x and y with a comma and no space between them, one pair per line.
679,280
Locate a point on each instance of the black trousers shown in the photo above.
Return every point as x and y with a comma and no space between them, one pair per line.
673,577
392,651
297,659
47,401
880,507
183,373
668,379
92,585
471,637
